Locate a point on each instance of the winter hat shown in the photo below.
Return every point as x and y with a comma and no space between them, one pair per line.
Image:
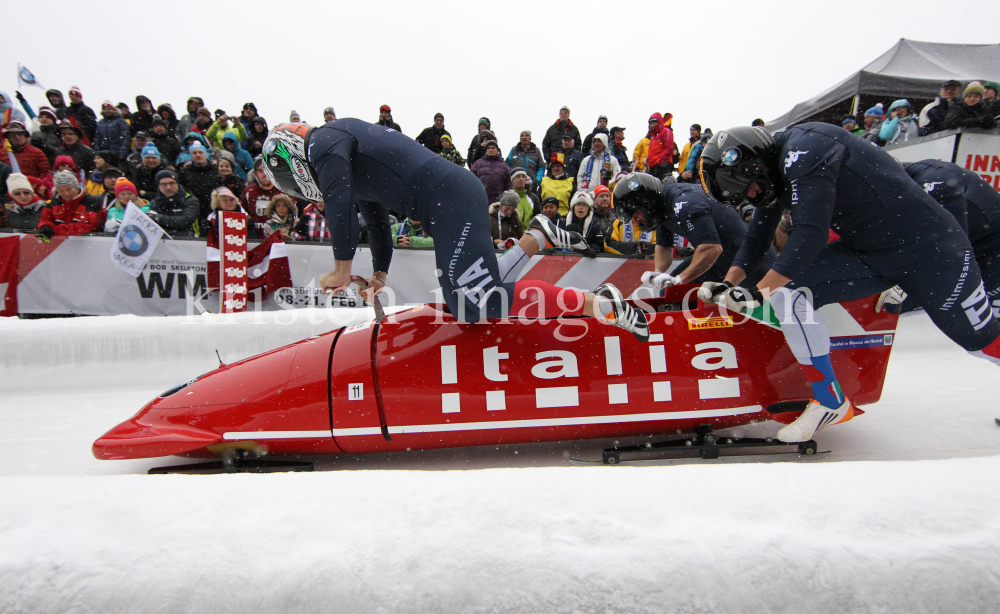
582,198
204,111
164,174
990,85
142,134
601,189
107,105
876,111
329,110
974,88
385,108
438,116
491,142
524,132
897,104
195,146
76,90
158,121
509,199
121,106
124,185
48,111
110,172
600,117
558,158
848,119
18,181
445,137
65,178
487,134
484,121
600,136
250,105
219,113
294,116
550,199
150,150
696,127
564,108
518,171
228,157
15,126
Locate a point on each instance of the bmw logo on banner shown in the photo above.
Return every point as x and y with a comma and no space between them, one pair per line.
132,241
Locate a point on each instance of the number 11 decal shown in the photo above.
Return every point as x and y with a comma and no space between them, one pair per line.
355,392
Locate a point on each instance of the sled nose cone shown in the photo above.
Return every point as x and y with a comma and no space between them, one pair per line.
133,440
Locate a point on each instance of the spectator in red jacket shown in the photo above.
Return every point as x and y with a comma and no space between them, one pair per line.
30,159
661,147
62,163
258,195
72,211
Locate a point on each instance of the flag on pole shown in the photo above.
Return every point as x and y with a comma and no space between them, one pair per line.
267,265
136,241
26,77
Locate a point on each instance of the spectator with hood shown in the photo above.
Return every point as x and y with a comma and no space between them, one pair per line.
430,137
71,146
385,118
448,151
617,147
217,132
244,163
173,208
72,211
189,140
166,142
493,172
281,217
526,155
166,112
660,159
24,211
563,127
200,176
483,136
8,113
31,160
476,150
58,104
62,163
187,121
142,119
901,126
258,195
227,176
933,114
46,137
970,112
85,117
599,168
144,175
113,133
256,133
601,128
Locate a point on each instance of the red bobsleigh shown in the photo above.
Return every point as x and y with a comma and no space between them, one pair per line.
420,379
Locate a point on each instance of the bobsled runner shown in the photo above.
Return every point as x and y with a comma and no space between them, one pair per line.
421,379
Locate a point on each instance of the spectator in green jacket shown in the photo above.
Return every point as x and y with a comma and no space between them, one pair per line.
217,132
410,234
448,151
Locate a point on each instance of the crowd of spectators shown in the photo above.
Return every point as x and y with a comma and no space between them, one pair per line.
67,170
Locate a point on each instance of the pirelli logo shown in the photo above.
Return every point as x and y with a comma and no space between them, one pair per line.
707,323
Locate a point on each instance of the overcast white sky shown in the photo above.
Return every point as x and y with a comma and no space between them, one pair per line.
514,61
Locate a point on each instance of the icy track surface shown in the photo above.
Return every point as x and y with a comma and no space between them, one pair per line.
902,516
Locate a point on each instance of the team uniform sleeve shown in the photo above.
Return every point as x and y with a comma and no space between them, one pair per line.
331,159
949,191
760,233
695,218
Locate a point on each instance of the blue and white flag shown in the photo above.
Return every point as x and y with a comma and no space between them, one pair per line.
26,77
136,241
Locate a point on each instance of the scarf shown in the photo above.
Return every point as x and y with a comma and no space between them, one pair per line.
590,168
628,234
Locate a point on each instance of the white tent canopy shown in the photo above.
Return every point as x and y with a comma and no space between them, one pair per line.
911,69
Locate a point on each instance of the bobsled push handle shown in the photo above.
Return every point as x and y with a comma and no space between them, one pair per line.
362,285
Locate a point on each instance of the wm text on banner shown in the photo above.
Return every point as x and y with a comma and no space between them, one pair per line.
135,242
9,247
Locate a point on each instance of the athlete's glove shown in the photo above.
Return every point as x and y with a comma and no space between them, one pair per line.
742,300
660,280
890,300
711,289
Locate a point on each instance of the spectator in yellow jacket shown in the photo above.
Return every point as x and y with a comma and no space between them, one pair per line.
642,147
558,184
629,239
686,153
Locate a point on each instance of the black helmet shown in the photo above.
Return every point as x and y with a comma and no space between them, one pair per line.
640,192
286,163
735,158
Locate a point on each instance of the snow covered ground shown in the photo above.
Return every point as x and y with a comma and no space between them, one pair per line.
902,516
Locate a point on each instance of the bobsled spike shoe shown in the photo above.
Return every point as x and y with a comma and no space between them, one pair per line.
814,419
560,238
624,315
